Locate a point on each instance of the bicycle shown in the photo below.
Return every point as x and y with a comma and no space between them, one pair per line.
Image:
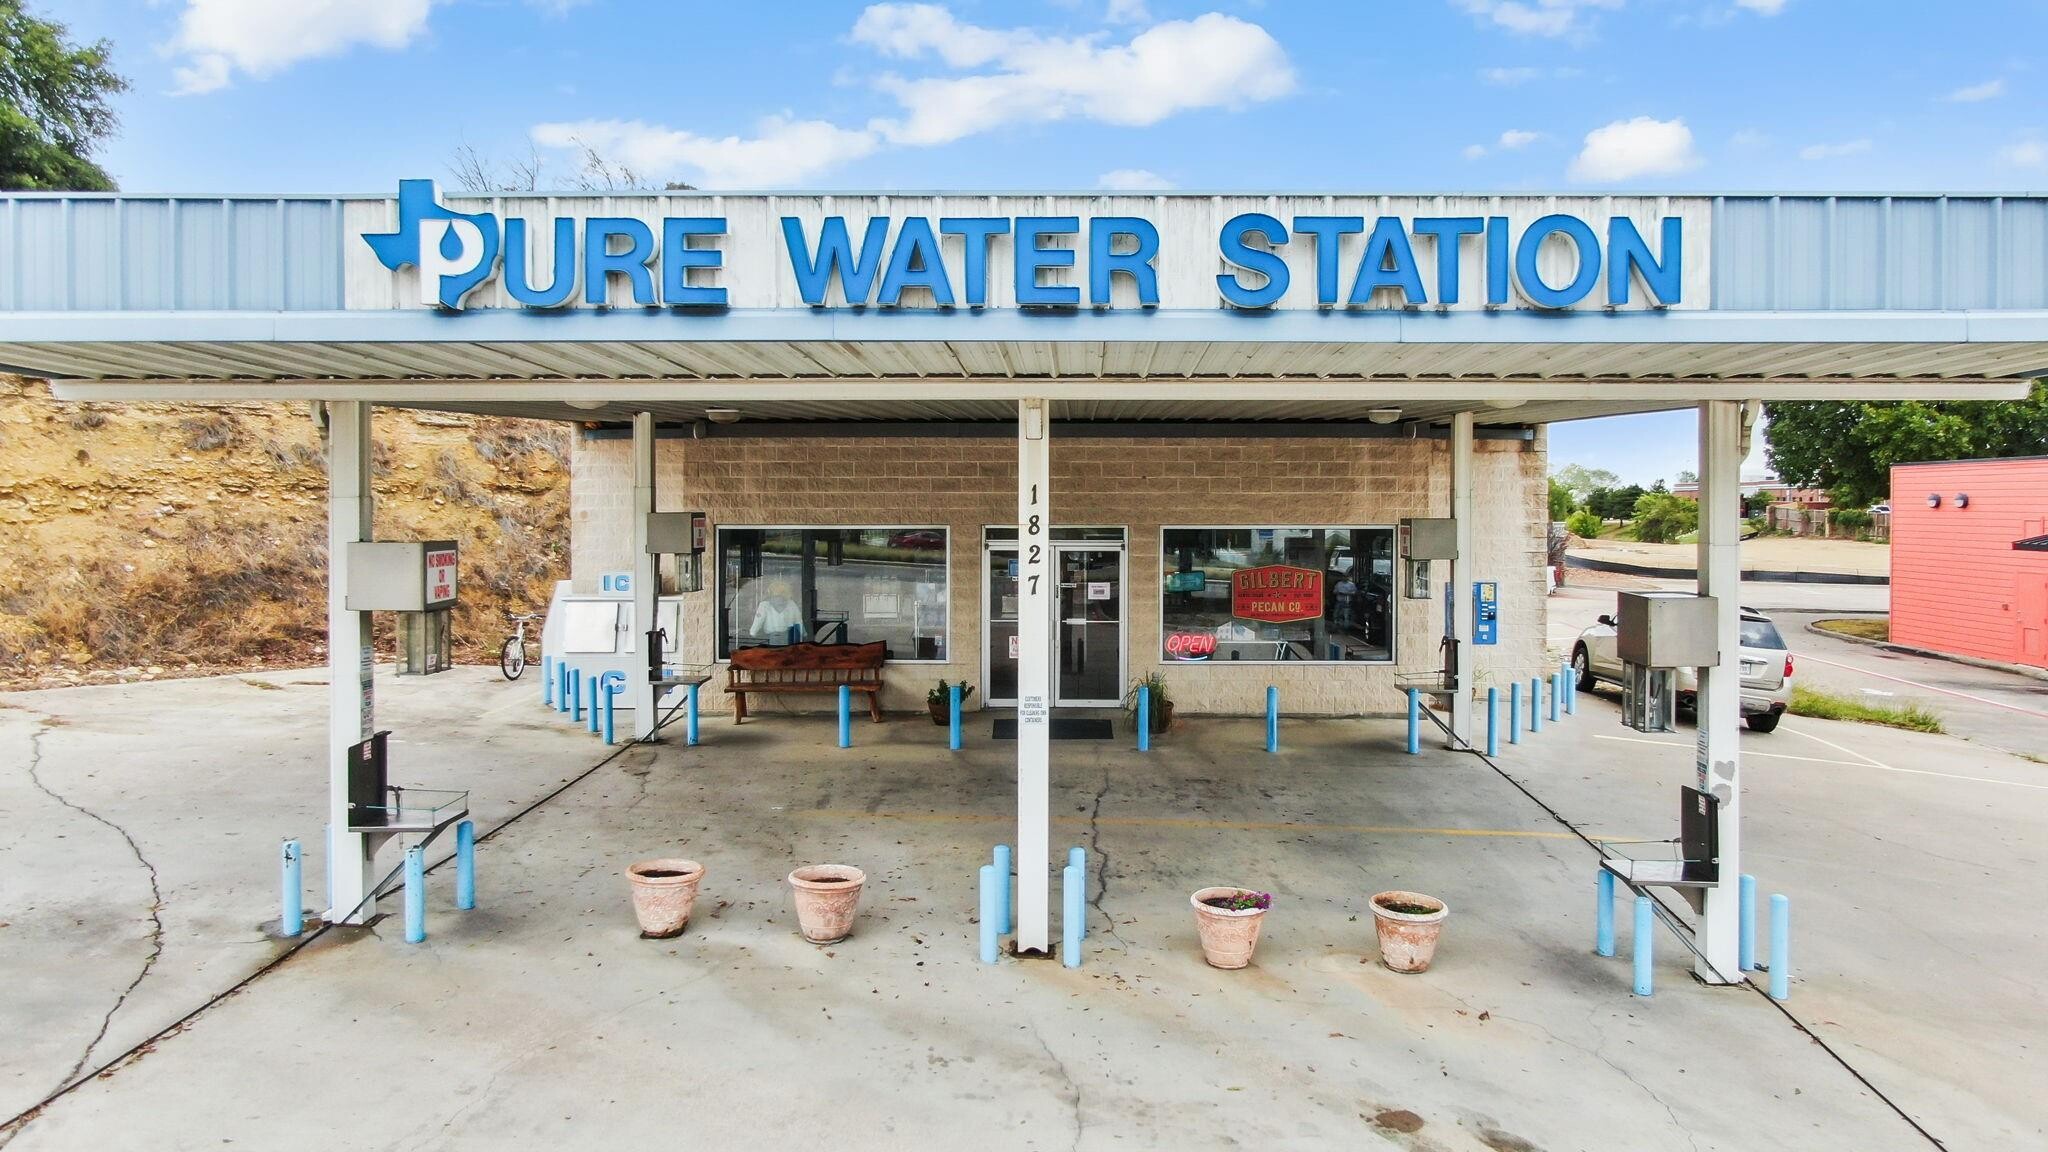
512,656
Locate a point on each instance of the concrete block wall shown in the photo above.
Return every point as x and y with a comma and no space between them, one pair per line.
1141,485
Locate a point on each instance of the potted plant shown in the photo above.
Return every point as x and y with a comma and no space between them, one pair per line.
826,897
1409,924
1158,704
1228,921
663,893
940,700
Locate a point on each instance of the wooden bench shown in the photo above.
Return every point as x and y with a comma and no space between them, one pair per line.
806,668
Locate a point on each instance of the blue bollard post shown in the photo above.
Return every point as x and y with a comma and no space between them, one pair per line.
1004,919
561,687
415,895
1072,916
596,690
1414,722
1556,691
1603,917
1515,712
1535,704
614,687
1781,947
988,913
1745,937
1644,941
1272,718
465,865
291,918
547,680
845,716
953,709
1144,718
693,716
1493,721
576,695
1077,857
1571,690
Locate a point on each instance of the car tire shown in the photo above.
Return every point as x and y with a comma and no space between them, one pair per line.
1582,669
1763,722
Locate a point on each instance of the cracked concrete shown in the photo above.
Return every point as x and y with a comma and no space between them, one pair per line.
541,1019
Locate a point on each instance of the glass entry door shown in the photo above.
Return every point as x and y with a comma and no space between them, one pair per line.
1088,669
1088,625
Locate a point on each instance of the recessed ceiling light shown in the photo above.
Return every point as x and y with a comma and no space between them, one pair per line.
1383,415
722,415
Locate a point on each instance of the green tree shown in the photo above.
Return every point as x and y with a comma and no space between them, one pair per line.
1584,525
1849,447
1583,481
1614,503
1661,517
1561,501
53,105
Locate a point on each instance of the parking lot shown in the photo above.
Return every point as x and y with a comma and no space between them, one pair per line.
138,837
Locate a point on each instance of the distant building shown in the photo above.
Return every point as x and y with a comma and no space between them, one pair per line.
1970,558
1776,490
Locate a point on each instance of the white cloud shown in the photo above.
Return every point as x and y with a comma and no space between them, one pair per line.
1534,17
1127,12
218,38
1518,138
1626,149
1834,151
2025,154
1212,61
1748,139
1766,7
783,153
976,80
1474,151
1134,180
1513,77
1977,92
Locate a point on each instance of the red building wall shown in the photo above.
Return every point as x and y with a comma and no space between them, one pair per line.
1958,584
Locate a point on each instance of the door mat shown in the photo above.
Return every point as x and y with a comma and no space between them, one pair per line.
1063,728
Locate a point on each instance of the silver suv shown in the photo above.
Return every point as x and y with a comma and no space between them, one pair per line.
1766,668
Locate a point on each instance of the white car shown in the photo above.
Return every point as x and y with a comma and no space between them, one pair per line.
1766,668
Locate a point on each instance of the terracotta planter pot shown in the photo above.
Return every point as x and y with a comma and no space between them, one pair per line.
664,891
1228,937
1161,716
1408,939
826,898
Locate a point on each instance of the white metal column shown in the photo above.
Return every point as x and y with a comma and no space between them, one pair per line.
1720,687
1035,578
351,696
646,580
1461,576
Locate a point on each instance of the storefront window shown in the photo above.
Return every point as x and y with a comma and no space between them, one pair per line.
833,586
1269,594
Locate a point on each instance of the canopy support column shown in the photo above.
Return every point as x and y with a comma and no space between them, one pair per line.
1459,586
1720,687
1034,675
351,698
646,580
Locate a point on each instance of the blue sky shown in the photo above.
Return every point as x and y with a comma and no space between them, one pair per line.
1352,95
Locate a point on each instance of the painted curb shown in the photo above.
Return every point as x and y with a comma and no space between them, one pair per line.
1760,575
2026,670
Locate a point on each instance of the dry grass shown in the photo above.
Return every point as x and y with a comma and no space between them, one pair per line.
1861,627
211,431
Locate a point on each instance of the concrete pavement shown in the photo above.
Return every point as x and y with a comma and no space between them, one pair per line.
542,1018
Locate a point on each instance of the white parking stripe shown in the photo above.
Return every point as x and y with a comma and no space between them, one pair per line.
1803,655
1746,752
1861,760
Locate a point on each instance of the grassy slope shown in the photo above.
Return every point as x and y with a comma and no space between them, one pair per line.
186,538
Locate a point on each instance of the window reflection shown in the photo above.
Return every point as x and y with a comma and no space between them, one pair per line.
833,586
1267,594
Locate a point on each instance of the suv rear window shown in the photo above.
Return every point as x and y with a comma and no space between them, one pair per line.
1761,634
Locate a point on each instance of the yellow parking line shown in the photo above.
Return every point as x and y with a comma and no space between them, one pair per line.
1188,822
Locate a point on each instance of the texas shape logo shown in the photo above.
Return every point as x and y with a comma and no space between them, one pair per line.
457,252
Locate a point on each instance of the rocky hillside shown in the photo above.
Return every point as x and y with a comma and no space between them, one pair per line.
152,540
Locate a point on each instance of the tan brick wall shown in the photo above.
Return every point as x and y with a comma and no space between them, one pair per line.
1138,484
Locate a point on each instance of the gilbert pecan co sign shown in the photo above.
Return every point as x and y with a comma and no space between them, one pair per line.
1276,593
